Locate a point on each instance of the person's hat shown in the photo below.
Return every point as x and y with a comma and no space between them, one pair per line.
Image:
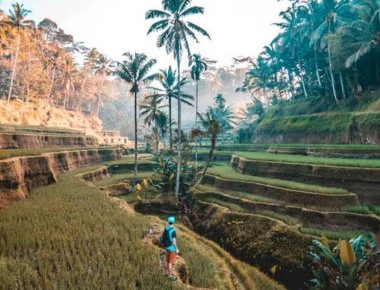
171,220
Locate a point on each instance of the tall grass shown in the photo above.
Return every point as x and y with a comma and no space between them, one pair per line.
69,236
317,146
9,153
332,235
287,158
245,195
229,173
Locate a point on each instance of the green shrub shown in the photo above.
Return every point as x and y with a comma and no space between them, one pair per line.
358,209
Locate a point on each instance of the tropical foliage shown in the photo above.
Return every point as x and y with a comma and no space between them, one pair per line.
217,120
327,48
164,176
39,62
175,33
350,265
169,89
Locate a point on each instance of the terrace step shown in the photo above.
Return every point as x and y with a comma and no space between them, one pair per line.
285,195
307,217
365,182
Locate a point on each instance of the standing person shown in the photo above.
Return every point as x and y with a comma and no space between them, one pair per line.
169,242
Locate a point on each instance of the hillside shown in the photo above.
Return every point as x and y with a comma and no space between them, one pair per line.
37,114
315,121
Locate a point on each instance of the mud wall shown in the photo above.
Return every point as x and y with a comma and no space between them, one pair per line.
365,182
24,141
19,175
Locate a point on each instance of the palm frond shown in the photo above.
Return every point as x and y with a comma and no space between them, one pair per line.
159,25
151,14
198,29
193,11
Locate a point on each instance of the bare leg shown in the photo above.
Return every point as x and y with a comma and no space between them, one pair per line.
170,269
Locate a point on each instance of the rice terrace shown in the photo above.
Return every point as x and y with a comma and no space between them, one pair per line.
190,144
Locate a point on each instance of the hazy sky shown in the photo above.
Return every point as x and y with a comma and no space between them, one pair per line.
237,27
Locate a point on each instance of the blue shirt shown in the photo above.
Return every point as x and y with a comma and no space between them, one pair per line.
173,237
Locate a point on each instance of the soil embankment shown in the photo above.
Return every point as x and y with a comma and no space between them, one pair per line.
362,181
19,175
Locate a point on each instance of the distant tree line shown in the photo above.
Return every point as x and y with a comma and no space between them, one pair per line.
326,48
41,61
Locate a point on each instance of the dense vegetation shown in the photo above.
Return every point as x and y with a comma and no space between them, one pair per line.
324,59
39,61
325,48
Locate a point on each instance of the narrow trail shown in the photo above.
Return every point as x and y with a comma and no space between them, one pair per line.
228,267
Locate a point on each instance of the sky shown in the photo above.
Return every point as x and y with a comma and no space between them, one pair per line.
236,27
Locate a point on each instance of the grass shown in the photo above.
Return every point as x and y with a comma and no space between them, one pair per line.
332,235
39,129
282,217
299,159
361,209
9,153
229,205
118,178
237,208
45,250
245,195
228,147
376,210
227,172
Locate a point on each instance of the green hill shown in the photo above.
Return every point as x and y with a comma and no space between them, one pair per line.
314,121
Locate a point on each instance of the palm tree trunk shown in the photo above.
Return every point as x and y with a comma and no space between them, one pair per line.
302,80
210,154
196,125
135,175
266,94
377,69
13,75
170,125
317,69
342,85
179,146
331,73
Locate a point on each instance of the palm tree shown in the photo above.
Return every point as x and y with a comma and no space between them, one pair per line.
54,57
17,20
175,33
169,90
218,119
151,108
134,70
68,78
332,19
103,67
198,66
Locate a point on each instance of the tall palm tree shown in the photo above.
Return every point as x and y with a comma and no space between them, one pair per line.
103,67
332,18
175,31
198,66
69,73
135,71
17,20
169,90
